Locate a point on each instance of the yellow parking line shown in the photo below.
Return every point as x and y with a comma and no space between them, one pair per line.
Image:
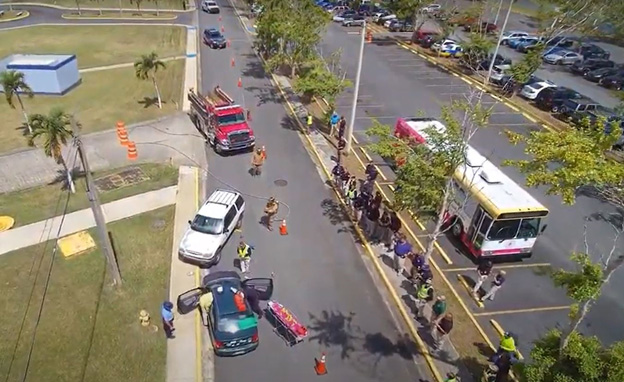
527,116
463,282
510,266
500,331
526,310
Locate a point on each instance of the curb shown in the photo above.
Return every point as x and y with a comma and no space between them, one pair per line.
66,16
43,5
20,17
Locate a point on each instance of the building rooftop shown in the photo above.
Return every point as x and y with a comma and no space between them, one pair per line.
25,60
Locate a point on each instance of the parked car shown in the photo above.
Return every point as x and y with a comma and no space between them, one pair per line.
210,6
613,82
431,8
571,107
609,115
484,27
387,20
214,39
513,43
451,50
563,57
379,15
382,20
390,22
511,35
562,42
593,51
531,91
401,26
526,46
338,9
552,98
498,74
440,45
232,325
419,35
583,67
211,227
355,20
429,40
500,60
599,74
340,17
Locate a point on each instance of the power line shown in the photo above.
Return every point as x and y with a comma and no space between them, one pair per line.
34,284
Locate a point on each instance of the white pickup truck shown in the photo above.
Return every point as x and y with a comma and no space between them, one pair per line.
210,6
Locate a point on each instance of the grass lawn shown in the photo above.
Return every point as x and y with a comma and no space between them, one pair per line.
162,4
95,45
40,203
103,98
89,331
8,15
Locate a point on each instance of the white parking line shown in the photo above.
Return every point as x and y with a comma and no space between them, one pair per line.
447,85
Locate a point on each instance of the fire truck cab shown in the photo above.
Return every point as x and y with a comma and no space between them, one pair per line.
222,122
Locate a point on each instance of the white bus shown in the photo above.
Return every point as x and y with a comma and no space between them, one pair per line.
490,214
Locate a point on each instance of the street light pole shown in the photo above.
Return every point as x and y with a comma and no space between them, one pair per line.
498,44
500,6
356,91
96,207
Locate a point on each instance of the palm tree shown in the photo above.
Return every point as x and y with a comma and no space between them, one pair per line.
54,131
13,84
146,68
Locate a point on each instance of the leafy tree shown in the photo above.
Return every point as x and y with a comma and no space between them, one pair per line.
13,85
476,49
409,10
584,359
323,79
138,4
521,71
54,131
565,160
146,68
289,31
424,181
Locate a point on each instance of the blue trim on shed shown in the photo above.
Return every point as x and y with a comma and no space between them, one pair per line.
190,55
42,67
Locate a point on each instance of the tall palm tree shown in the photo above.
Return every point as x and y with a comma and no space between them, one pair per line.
54,131
13,85
146,67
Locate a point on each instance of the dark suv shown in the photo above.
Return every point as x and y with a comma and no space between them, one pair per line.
613,82
574,109
586,66
232,324
593,51
551,99
214,39
599,74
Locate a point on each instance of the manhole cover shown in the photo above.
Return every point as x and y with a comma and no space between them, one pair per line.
281,183
159,224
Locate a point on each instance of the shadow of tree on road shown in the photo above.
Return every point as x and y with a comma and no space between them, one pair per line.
265,95
333,210
253,67
334,329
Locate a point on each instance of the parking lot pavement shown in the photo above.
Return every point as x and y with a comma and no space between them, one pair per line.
319,273
389,79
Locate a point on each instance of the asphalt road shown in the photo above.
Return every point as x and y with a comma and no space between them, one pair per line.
395,83
319,273
47,15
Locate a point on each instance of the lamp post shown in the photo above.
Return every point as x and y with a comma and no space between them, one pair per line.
356,91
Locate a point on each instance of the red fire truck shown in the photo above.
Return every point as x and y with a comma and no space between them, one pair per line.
222,122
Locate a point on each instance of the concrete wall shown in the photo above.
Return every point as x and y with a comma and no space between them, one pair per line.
56,79
67,76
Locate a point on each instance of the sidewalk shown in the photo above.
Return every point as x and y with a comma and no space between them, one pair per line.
446,359
184,362
40,232
125,65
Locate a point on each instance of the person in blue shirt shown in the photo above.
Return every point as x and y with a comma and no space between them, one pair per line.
333,121
401,249
167,318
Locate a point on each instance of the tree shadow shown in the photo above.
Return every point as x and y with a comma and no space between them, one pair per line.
334,329
61,178
265,95
615,219
148,102
288,123
23,129
334,211
253,67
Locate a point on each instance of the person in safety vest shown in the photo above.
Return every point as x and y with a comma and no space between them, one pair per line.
257,160
507,345
423,296
309,122
451,377
270,210
244,256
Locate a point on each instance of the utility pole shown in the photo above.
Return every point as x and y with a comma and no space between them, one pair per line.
96,207
498,44
356,91
500,5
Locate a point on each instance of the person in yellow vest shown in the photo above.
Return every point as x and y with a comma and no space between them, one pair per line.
423,296
507,343
309,122
451,377
244,256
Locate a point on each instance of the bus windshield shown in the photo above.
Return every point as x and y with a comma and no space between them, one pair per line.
231,119
526,228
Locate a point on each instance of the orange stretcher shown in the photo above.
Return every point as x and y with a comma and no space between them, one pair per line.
286,325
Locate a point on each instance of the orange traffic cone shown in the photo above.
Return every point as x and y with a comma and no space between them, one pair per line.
227,43
264,153
319,365
282,228
222,29
240,82
122,134
132,151
232,62
248,115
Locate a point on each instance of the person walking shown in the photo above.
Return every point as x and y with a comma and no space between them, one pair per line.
401,249
438,309
342,125
254,300
166,312
257,160
351,190
371,171
205,302
309,122
271,209
340,148
443,329
395,224
497,283
333,122
484,269
244,256
358,204
367,188
344,182
384,233
337,172
417,261
371,218
377,199
424,294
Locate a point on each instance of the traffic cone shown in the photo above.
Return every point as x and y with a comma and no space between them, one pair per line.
240,82
369,36
132,151
123,137
222,29
283,230
220,18
248,115
264,153
232,62
319,365
227,43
